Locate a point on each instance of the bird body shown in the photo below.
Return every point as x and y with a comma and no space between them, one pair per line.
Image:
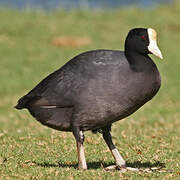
97,88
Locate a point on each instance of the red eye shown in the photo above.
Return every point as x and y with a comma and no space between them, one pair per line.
143,37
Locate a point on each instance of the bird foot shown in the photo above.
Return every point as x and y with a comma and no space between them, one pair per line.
121,169
145,170
82,168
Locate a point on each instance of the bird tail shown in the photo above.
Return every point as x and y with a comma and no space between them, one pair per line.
49,115
22,103
25,101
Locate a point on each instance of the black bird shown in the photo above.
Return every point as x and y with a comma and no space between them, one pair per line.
97,88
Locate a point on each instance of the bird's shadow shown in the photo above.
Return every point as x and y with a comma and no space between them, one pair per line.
99,164
139,164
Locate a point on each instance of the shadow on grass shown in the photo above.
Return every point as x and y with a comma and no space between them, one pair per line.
98,164
139,164
91,165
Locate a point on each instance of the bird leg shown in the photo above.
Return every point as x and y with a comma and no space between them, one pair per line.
80,149
120,162
118,158
81,155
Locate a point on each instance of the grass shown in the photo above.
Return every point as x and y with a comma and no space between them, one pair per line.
150,137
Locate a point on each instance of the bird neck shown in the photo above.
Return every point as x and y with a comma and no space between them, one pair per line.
139,62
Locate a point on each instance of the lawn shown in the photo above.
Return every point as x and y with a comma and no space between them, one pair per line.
33,44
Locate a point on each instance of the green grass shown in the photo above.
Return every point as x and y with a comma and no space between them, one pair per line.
150,137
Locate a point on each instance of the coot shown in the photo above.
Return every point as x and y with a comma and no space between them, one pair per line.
97,88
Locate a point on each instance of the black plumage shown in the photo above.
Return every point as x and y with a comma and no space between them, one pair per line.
96,88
